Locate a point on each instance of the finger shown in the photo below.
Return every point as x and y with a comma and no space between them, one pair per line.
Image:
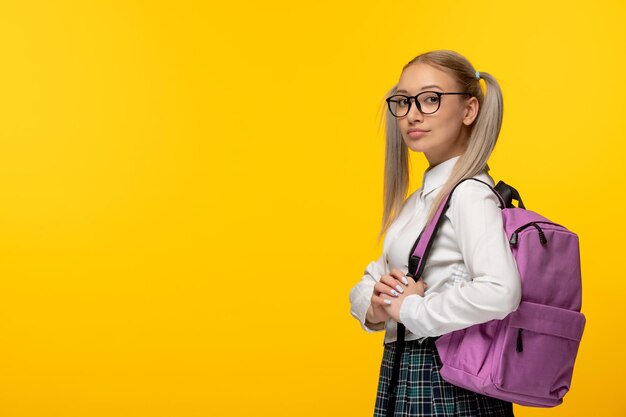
400,276
384,300
389,280
392,283
382,288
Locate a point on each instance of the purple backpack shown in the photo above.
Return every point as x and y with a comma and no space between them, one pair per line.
528,357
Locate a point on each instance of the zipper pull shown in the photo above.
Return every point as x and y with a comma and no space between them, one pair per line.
520,347
513,240
542,236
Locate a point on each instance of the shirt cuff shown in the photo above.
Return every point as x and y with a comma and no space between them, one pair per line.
408,311
371,328
359,312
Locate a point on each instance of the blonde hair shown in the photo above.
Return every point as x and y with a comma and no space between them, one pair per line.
482,139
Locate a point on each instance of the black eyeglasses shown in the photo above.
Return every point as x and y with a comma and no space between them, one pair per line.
427,102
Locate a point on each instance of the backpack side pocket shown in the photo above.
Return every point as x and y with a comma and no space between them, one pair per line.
468,352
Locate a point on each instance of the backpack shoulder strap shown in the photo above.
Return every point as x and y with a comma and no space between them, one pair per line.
417,259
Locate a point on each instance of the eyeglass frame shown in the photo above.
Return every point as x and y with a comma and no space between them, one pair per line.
439,94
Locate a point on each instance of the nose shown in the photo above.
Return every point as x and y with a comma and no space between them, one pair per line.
414,112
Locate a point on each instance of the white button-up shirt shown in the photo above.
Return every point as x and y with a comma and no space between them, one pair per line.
471,274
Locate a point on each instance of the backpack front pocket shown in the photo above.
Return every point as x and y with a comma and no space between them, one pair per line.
540,345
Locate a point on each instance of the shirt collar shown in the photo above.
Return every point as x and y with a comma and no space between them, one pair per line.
436,176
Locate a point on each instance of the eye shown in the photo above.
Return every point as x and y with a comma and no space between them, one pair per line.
401,100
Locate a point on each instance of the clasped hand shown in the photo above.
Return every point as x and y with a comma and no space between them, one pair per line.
390,292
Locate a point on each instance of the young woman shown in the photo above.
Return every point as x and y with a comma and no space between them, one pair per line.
438,108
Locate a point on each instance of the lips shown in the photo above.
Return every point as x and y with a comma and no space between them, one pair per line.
416,133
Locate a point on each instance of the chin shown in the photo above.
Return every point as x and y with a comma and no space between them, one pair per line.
416,145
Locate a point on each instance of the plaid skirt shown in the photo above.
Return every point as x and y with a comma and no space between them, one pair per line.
422,392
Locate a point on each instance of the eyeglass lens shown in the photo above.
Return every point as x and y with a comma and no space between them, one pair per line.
399,105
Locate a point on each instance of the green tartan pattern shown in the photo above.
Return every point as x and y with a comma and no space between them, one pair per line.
422,392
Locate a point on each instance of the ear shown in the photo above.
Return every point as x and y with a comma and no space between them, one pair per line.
471,111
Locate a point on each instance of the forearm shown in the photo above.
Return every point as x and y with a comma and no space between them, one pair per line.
361,294
460,307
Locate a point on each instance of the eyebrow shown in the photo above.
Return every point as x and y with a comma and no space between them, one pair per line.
426,86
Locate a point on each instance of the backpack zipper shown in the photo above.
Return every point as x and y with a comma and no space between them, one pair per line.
542,236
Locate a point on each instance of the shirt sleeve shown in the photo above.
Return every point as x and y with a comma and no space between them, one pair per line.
495,288
361,294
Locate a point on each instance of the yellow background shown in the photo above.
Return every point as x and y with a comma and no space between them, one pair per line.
190,189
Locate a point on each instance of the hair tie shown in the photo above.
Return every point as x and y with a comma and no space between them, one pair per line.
478,75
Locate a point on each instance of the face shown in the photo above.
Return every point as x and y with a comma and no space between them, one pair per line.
443,134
